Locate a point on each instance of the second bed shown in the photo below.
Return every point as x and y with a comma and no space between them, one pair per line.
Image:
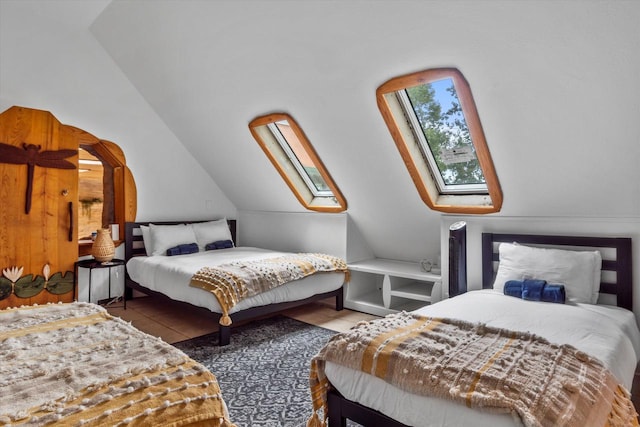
596,321
170,276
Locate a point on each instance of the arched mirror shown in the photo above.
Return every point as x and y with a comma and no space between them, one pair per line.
106,189
91,191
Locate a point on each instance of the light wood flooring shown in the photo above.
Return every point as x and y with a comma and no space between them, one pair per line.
174,322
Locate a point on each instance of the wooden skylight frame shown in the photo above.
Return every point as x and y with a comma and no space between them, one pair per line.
328,200
422,174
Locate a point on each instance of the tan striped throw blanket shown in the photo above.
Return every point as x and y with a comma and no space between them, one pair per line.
492,369
76,365
233,282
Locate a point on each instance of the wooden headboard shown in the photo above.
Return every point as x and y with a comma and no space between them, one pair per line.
621,287
134,245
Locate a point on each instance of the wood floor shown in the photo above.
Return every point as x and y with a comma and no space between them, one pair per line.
173,321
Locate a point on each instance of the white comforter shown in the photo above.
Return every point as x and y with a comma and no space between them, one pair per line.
171,275
606,332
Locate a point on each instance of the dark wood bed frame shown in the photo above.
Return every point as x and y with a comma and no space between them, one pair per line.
134,246
341,409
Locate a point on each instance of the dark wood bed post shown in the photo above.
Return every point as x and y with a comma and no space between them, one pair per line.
340,300
342,409
224,335
487,261
625,272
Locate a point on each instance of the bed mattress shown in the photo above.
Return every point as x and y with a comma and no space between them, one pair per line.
606,332
171,276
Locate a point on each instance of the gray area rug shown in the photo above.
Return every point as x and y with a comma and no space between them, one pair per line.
264,372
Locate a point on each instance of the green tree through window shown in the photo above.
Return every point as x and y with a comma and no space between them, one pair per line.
446,132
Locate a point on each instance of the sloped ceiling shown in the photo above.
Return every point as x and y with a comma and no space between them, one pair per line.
555,82
49,60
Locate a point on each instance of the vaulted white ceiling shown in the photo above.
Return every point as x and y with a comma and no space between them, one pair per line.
555,83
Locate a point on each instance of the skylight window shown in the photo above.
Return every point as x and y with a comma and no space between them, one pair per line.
298,156
434,122
292,154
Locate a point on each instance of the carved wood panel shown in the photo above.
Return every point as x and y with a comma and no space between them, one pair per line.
47,235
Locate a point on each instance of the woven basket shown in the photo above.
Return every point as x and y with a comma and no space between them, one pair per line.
103,249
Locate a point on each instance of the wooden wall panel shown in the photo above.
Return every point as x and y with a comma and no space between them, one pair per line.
41,236
48,234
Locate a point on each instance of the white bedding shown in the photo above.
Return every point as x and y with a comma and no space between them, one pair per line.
606,332
171,275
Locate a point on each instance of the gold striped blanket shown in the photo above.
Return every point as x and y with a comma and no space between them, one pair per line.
233,282
76,365
491,369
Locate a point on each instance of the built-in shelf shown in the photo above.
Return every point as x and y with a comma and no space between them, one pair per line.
383,286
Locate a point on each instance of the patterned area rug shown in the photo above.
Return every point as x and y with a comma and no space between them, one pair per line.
264,372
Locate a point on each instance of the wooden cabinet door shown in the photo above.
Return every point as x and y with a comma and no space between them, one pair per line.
47,234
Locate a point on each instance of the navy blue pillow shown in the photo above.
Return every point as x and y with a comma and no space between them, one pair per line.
219,244
187,248
535,290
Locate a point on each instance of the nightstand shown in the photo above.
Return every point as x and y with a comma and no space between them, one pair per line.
384,286
92,264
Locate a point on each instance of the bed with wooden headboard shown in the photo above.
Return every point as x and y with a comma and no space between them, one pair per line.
374,402
618,285
293,294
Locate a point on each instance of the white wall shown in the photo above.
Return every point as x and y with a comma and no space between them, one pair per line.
334,234
50,61
294,231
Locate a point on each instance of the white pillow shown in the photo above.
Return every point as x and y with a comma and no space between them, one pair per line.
578,271
164,237
146,238
212,231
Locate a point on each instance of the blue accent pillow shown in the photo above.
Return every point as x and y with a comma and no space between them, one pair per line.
219,244
535,290
187,248
554,293
532,289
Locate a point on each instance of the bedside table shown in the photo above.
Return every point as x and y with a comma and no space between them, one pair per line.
381,286
92,264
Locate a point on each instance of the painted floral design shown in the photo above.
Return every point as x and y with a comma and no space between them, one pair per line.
28,286
13,273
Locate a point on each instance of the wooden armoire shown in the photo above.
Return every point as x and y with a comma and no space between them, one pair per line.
39,206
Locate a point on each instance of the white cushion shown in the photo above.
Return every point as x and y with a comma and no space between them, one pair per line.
211,231
164,237
578,271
